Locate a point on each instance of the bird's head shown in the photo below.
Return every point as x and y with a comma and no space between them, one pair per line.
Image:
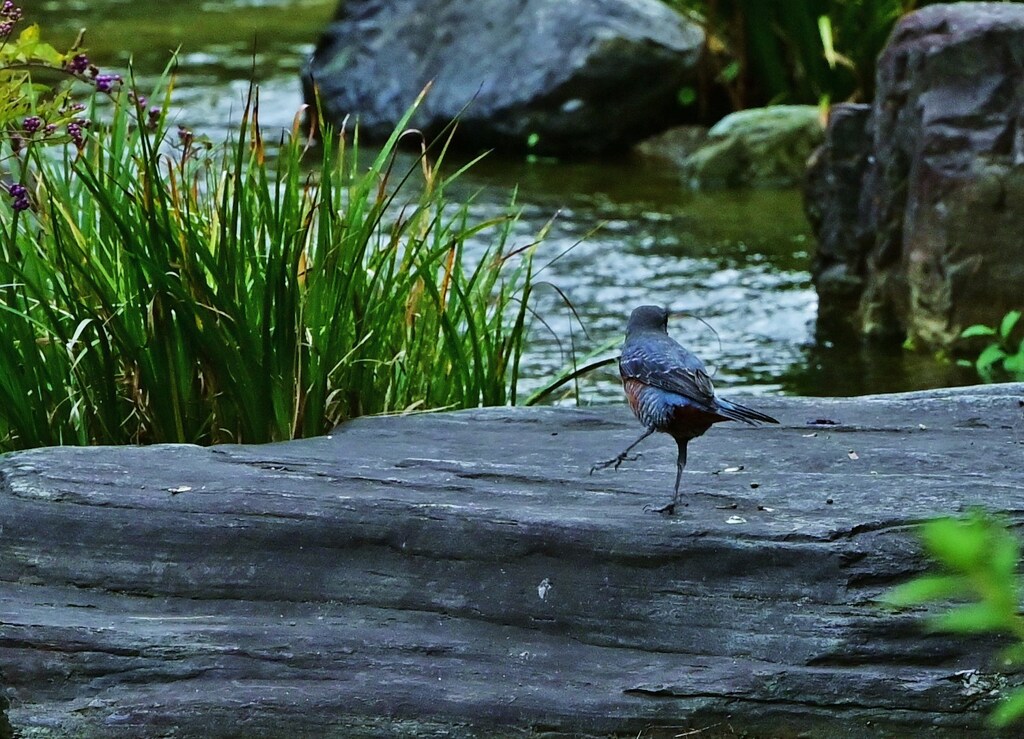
648,318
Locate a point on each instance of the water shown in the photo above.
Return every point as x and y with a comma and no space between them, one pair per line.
739,260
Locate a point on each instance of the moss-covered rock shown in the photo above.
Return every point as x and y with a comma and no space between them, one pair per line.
760,147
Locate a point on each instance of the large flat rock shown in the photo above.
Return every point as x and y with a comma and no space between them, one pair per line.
461,574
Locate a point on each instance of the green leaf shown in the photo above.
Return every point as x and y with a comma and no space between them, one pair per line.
990,357
730,72
1014,364
960,545
1009,710
827,41
977,330
973,619
1004,554
29,36
923,589
1008,323
1013,655
49,55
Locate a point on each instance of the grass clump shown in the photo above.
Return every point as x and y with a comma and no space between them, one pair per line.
157,288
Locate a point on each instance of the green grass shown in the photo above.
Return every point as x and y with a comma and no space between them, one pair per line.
160,292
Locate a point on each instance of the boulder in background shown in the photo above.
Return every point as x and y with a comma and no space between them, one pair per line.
540,75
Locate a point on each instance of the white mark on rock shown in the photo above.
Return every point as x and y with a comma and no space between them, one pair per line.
543,588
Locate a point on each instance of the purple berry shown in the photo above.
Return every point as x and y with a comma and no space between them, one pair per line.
76,130
19,195
106,82
32,124
10,10
78,64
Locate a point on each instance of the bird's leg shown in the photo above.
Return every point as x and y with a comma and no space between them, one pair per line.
622,457
669,509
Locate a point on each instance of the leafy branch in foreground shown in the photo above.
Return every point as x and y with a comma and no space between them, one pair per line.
156,288
978,558
36,84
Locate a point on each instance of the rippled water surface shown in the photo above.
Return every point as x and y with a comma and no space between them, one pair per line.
739,260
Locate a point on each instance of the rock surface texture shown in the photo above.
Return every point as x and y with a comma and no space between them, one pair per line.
939,222
461,574
573,78
837,212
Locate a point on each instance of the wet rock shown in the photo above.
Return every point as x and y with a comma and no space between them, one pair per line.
6,731
835,209
760,147
462,574
940,197
673,146
544,75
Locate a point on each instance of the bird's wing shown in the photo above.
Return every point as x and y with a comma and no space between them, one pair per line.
670,368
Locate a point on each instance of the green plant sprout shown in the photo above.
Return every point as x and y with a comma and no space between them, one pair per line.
1003,358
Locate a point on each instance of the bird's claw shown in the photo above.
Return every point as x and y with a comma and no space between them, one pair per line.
668,509
614,463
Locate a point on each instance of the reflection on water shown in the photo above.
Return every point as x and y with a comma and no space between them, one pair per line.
738,260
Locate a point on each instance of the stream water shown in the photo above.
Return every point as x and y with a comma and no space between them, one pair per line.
739,260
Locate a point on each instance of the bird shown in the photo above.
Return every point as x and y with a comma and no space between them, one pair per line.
669,390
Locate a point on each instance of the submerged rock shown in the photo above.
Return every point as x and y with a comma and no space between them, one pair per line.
939,198
760,147
539,75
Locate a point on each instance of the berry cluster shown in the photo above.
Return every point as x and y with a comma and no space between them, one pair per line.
19,193
80,66
60,120
9,15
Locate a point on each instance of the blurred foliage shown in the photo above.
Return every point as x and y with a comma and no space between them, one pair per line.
792,51
978,558
1003,357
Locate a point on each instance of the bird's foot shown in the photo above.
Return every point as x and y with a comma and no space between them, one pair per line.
668,509
614,463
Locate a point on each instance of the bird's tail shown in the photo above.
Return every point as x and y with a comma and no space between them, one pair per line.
737,412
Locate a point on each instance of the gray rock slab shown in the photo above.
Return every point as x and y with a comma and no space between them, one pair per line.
461,574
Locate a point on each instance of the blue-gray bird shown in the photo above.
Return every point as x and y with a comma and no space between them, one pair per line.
669,390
